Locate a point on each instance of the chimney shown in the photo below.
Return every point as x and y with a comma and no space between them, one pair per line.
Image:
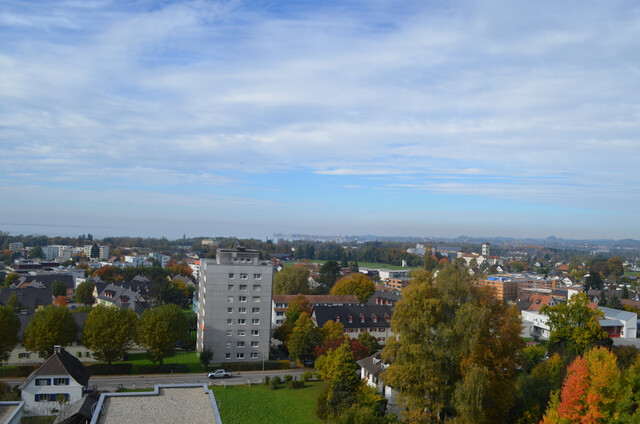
56,349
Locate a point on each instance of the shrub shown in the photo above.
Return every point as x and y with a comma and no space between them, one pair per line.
276,380
114,369
21,371
295,384
163,369
287,378
272,384
306,376
256,366
267,379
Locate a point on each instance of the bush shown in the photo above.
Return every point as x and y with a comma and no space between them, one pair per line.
287,378
267,379
21,370
276,380
295,384
163,369
306,376
114,369
273,384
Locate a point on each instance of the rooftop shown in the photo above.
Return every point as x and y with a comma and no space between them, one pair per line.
180,403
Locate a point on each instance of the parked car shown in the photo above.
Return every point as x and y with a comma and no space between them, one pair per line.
219,374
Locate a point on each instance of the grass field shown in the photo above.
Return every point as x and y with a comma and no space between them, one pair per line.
260,405
189,358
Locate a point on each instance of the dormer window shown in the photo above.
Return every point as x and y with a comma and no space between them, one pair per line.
350,319
387,318
361,317
374,318
337,318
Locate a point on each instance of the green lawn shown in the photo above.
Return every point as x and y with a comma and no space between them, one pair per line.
259,404
189,358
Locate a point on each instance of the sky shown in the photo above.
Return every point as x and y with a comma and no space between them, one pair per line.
248,118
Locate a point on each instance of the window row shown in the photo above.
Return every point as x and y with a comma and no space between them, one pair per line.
240,355
245,276
256,299
242,333
241,344
56,381
244,287
243,310
52,397
242,321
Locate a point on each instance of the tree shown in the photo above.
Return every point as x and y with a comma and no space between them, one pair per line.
614,302
452,336
602,299
593,281
615,266
107,273
60,301
299,305
303,339
331,330
84,292
9,328
358,285
50,326
10,278
574,324
328,275
291,280
205,357
13,302
95,251
58,288
591,391
354,267
109,332
36,253
159,329
625,292
338,367
369,342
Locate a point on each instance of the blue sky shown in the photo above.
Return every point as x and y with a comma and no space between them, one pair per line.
425,118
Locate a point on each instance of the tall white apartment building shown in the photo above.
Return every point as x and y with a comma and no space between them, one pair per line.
234,306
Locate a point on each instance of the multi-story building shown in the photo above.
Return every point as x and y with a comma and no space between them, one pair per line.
234,306
162,259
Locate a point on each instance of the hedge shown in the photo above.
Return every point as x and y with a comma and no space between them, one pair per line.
21,370
114,369
163,369
255,366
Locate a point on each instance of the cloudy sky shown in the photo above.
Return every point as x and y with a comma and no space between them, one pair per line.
422,118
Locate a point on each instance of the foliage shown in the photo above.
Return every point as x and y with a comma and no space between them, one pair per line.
330,331
84,292
36,253
10,278
358,350
338,367
369,342
358,285
303,338
50,326
615,266
354,267
590,392
14,302
593,281
108,273
298,305
60,301
58,288
205,358
306,376
574,324
455,344
9,328
159,329
291,280
95,251
614,302
109,332
531,356
328,275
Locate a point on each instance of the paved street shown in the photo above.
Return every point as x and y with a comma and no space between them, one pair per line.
112,383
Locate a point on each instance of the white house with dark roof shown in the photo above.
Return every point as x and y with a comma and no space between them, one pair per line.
61,380
371,367
356,319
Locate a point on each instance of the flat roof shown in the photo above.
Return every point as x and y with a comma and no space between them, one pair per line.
167,403
9,409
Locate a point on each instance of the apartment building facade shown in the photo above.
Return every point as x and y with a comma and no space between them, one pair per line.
234,306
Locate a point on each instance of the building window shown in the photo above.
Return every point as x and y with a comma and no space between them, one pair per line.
239,355
242,321
254,344
229,310
229,321
255,321
255,310
244,276
230,287
242,310
60,381
255,332
241,333
23,355
257,287
43,382
254,355
257,276
227,356
228,345
230,299
256,299
79,354
243,287
279,314
229,333
242,298
240,344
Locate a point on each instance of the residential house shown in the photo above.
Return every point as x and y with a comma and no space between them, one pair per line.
280,303
371,367
356,319
62,379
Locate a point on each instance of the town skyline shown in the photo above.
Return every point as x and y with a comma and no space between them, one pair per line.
504,118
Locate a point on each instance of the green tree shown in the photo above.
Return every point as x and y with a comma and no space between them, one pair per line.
354,267
574,325
9,328
84,292
36,253
50,326
291,280
328,275
11,278
109,332
369,342
304,337
452,336
593,281
602,298
614,302
615,266
13,302
95,251
358,285
205,358
159,329
338,368
625,292
330,331
58,288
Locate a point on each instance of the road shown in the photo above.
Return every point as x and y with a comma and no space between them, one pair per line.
112,383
